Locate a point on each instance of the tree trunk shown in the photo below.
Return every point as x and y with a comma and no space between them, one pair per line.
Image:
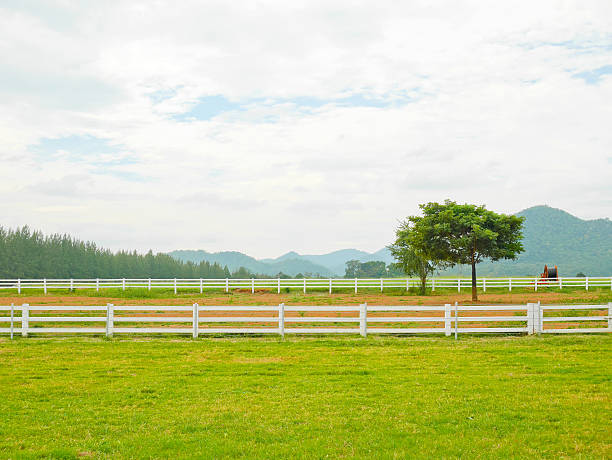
474,291
423,285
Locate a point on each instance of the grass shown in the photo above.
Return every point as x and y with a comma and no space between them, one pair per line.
306,397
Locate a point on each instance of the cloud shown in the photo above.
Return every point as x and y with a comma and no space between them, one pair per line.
282,126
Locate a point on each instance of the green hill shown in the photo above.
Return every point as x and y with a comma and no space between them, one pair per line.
555,237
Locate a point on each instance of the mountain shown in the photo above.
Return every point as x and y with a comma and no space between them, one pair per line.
555,237
551,236
234,260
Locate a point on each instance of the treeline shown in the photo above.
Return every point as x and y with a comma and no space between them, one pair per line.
30,254
372,269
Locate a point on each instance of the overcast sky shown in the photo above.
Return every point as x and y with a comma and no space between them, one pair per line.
265,127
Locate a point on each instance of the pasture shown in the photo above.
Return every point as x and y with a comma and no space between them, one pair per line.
419,397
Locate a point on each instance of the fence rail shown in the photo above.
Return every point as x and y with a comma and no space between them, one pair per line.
304,284
282,319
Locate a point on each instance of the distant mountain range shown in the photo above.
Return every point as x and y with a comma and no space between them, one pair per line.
551,236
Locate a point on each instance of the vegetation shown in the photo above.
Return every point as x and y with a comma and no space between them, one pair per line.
30,254
462,234
340,397
411,262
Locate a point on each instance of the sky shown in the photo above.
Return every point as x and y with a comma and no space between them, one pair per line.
270,126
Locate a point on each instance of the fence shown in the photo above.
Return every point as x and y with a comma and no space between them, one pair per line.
285,319
276,284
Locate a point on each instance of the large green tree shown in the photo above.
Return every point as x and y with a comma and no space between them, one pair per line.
463,234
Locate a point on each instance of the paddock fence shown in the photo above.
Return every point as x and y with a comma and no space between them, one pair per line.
195,320
304,284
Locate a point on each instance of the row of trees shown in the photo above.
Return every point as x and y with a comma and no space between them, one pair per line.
449,234
372,269
30,254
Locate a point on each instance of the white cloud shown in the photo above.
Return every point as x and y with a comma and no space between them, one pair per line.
482,104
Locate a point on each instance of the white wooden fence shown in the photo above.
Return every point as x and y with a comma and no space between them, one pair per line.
304,284
285,319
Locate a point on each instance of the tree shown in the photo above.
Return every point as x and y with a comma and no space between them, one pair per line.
409,260
352,269
463,234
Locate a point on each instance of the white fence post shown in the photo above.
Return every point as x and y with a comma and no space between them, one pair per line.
123,284
560,283
149,285
355,285
540,316
610,316
304,285
458,284
484,285
535,284
110,319
281,319
97,284
509,284
45,285
196,320
252,285
71,285
407,284
18,285
363,319
330,286
226,284
201,286
433,284
586,283
530,311
456,319
25,319
174,286
278,285
13,319
447,319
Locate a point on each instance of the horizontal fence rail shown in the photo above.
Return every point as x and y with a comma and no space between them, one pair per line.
282,319
304,284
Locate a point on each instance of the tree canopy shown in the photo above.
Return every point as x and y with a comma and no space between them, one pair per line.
463,234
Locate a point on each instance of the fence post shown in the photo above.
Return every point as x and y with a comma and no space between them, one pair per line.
530,318
447,319
278,285
458,284
281,319
18,285
97,284
363,319
407,284
586,283
610,316
25,319
433,284
540,315
196,320
71,285
484,285
110,319
45,285
123,284
13,319
226,284
560,283
536,284
330,286
149,284
304,285
355,285
456,319
174,286
201,286
509,284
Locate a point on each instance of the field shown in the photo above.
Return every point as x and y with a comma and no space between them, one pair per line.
301,397
296,297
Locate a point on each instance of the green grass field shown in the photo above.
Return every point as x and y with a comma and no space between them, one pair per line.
306,397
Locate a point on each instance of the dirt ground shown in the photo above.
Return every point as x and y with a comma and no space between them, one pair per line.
272,298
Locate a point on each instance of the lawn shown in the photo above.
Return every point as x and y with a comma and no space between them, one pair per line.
306,397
